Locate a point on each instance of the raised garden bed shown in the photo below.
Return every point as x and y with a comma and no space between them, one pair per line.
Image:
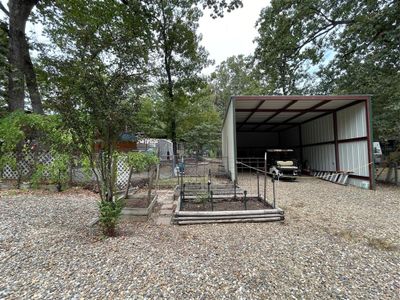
138,207
11,184
228,205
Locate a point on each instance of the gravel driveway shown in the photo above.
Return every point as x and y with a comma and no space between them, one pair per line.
337,242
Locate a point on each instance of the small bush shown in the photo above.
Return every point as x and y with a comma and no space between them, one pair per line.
202,198
110,212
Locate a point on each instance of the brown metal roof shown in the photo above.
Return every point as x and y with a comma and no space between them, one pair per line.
275,113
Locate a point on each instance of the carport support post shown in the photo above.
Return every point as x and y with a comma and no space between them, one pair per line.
273,190
265,177
234,189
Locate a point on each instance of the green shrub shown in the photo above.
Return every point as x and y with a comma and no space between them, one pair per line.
110,212
56,172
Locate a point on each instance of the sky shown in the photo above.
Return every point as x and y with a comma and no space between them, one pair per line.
222,37
233,34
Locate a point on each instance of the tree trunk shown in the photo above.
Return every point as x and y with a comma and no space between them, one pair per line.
18,53
167,66
171,99
31,82
128,185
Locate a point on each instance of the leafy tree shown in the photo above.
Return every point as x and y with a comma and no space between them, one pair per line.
282,60
366,77
3,63
21,68
94,75
139,162
199,122
203,136
235,76
23,133
149,118
180,57
362,37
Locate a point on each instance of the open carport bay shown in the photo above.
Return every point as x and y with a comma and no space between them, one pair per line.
327,133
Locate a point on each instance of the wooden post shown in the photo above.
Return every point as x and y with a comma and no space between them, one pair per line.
212,201
389,173
128,184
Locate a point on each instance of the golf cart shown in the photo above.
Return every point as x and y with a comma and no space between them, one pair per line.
282,165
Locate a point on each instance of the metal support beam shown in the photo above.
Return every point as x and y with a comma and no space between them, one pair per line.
252,111
303,113
276,113
335,135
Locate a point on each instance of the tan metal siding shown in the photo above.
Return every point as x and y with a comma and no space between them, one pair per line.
354,157
228,142
318,131
320,157
352,122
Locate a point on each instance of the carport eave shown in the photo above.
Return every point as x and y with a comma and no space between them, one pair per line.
302,97
322,100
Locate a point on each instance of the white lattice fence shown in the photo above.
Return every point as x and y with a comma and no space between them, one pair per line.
122,173
78,175
26,165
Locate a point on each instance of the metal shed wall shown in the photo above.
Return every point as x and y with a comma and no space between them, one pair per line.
320,157
314,134
333,133
352,131
229,141
317,131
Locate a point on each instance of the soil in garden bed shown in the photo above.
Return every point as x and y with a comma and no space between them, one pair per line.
138,200
137,203
226,205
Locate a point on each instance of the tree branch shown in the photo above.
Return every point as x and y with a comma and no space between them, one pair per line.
4,27
314,36
2,8
331,21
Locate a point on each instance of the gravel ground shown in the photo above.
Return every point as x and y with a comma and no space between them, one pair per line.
337,242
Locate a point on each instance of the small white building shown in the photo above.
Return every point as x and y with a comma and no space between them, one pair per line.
162,147
331,133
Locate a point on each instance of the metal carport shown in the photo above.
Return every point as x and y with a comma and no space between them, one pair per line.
331,133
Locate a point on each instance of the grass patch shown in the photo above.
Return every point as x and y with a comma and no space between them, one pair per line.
349,235
172,182
381,244
375,243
